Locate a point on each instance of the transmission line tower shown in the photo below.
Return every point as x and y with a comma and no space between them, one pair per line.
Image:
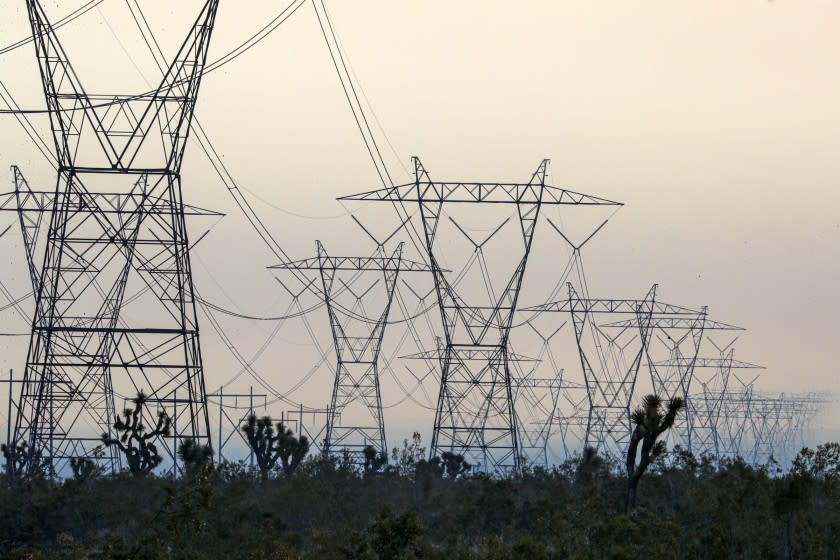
536,402
671,357
114,306
798,412
775,424
611,354
718,413
355,420
475,414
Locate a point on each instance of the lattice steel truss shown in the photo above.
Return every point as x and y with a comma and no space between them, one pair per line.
799,412
671,356
355,419
117,224
233,412
719,412
475,414
611,354
536,401
775,424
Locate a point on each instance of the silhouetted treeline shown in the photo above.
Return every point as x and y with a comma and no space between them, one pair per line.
687,508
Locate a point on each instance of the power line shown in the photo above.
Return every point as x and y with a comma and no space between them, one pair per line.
230,56
57,25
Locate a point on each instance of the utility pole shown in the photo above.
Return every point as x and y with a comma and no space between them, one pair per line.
10,403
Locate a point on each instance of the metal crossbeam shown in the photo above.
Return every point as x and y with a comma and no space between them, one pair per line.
615,306
710,363
676,323
358,264
468,353
106,203
426,191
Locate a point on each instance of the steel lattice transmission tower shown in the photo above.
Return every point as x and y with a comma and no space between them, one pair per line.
355,420
475,414
114,304
536,402
671,357
611,354
704,409
719,413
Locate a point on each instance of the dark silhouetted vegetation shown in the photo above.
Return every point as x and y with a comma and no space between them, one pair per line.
269,446
263,443
15,459
650,421
19,457
195,457
292,450
134,442
374,460
413,508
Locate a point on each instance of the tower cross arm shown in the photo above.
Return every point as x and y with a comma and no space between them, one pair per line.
546,383
709,363
471,353
354,263
611,306
499,193
105,203
663,321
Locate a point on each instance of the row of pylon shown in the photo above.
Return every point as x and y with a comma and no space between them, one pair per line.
115,305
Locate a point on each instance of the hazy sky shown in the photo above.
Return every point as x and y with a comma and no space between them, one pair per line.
715,122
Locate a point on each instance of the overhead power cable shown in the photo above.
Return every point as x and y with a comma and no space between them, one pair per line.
58,24
227,179
230,56
347,85
203,140
224,174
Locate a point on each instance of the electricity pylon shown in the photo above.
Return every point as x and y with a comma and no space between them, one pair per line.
475,414
719,412
355,420
671,357
536,402
611,354
114,306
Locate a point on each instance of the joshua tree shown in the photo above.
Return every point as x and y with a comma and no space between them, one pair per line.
292,450
454,465
448,465
651,419
262,440
135,443
268,446
374,460
18,457
405,460
589,465
197,458
15,456
85,468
